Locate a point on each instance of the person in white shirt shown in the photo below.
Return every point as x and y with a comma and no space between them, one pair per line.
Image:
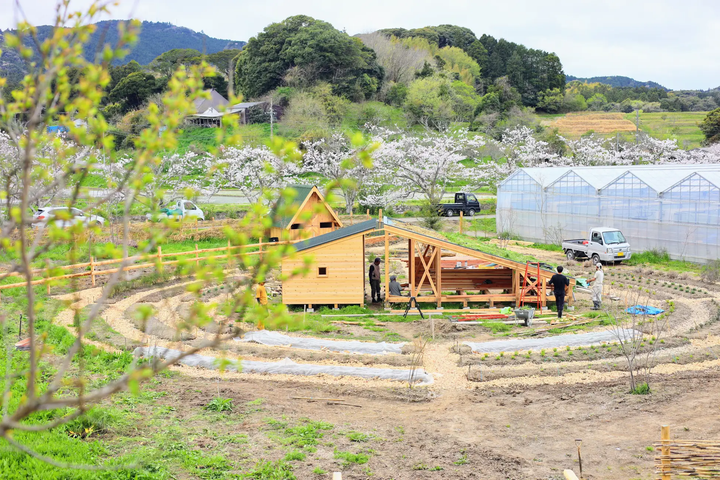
597,286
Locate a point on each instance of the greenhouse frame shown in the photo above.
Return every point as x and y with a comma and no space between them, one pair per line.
670,207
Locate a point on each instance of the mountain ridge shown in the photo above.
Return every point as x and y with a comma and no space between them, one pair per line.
155,39
617,81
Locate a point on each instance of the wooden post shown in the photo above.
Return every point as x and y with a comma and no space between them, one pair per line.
92,270
197,257
665,452
47,282
438,275
352,221
368,214
260,249
569,475
380,217
411,257
228,250
461,221
337,476
159,256
387,268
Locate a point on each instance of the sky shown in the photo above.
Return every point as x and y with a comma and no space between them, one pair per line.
667,41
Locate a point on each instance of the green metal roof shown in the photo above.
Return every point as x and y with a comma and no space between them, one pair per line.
284,209
338,234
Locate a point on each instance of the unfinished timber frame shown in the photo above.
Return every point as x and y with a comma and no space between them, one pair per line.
494,279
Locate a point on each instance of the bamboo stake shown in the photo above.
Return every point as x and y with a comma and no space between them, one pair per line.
159,259
461,221
665,462
197,257
92,270
47,266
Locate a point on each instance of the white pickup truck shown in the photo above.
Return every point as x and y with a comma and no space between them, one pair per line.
604,245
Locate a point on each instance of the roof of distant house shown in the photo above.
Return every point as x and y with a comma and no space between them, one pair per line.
216,102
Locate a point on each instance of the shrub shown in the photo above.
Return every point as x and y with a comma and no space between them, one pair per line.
711,272
641,389
219,404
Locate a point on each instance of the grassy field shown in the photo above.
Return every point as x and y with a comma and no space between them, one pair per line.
682,126
574,125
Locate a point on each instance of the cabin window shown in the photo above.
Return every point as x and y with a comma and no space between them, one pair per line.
326,224
295,226
322,271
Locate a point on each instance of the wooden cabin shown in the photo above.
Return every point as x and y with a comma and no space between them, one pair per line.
307,215
337,274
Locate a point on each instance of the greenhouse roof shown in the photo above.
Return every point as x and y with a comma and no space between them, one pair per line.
657,177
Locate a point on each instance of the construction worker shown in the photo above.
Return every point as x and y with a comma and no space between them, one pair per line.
395,287
262,299
559,282
374,275
597,286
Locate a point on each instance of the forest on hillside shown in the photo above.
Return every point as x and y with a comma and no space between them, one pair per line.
321,78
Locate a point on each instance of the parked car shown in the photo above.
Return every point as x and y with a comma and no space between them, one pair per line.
179,209
464,202
45,215
604,244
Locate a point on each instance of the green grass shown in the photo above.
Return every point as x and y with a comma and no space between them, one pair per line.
477,244
349,458
661,259
682,126
547,247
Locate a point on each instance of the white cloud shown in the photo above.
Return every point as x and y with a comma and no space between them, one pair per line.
665,41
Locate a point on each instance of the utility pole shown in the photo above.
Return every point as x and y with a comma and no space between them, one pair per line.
272,117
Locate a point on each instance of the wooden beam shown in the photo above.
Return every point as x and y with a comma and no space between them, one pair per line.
411,258
438,272
426,272
665,451
387,266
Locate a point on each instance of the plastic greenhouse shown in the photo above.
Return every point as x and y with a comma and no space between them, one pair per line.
676,208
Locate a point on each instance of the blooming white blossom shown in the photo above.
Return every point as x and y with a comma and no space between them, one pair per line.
427,163
256,170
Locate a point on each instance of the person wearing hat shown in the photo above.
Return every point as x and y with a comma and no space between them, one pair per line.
395,287
597,286
374,275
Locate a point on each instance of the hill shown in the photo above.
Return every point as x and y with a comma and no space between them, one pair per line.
616,81
155,39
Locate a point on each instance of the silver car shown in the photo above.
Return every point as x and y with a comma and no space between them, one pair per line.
49,214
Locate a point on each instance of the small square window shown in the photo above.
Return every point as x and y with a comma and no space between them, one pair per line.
326,224
322,271
295,226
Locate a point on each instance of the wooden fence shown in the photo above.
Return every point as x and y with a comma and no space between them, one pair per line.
685,458
148,261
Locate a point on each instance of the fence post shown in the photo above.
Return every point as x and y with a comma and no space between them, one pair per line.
92,270
197,257
337,476
665,452
159,259
368,214
261,245
380,217
461,221
47,280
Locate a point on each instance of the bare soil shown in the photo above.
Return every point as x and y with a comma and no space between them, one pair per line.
498,419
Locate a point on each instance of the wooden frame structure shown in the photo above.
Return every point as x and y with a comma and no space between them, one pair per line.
312,215
496,280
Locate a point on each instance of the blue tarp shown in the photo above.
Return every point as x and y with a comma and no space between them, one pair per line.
644,310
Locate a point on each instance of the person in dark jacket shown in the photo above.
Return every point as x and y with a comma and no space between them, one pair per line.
374,275
559,282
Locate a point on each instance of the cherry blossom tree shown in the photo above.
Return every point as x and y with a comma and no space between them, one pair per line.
345,163
427,163
256,171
